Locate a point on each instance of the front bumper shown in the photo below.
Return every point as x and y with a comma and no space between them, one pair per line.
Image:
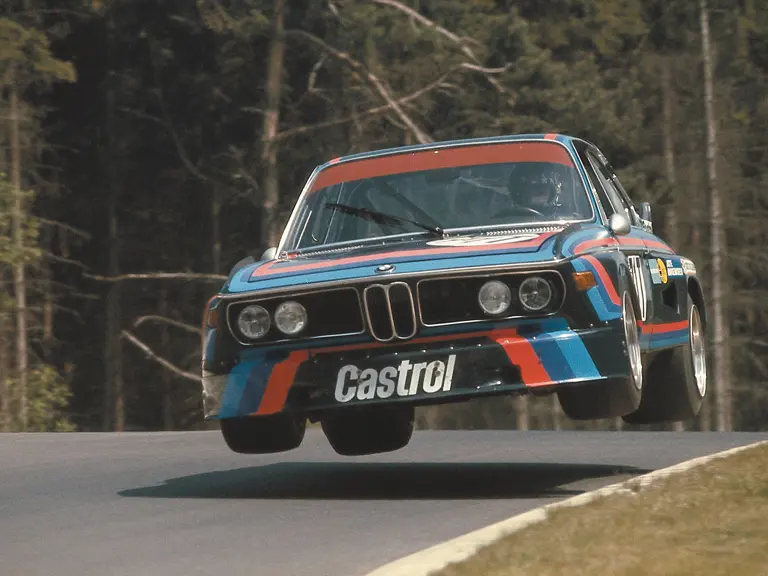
435,368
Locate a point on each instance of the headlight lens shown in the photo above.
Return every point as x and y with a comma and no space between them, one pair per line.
535,293
253,321
290,318
494,297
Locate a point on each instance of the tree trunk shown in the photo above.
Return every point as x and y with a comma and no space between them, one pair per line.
270,220
5,360
5,371
19,279
45,273
557,413
216,231
671,229
720,341
165,375
522,413
114,405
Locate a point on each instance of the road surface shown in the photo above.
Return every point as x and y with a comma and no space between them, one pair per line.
182,503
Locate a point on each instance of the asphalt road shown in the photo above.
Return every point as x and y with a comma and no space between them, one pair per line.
181,503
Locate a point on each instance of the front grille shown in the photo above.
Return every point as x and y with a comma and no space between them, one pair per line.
390,310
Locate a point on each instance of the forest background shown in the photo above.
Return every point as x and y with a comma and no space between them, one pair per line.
148,145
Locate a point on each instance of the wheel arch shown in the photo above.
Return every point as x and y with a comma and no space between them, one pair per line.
697,295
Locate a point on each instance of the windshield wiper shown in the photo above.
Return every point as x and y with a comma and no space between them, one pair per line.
382,218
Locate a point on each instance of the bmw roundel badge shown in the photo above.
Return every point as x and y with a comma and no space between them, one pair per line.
385,268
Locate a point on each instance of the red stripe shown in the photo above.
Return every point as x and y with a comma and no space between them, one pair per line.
611,242
280,381
267,268
432,159
604,278
664,327
521,353
550,136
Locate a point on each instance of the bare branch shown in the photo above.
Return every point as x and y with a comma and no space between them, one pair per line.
369,112
460,42
374,80
63,226
163,320
158,276
160,360
312,80
165,123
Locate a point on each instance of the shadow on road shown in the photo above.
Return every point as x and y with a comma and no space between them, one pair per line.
385,481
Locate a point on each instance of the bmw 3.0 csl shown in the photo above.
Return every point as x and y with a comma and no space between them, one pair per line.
449,271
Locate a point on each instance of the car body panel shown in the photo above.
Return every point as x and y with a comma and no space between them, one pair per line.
581,343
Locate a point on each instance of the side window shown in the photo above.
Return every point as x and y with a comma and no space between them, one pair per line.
596,183
615,197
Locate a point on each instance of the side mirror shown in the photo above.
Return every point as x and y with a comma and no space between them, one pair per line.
619,224
645,211
269,253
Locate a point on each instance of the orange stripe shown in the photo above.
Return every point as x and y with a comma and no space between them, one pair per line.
521,353
268,267
604,278
432,159
611,242
280,381
664,328
550,136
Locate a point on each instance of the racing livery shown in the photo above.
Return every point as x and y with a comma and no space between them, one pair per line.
447,271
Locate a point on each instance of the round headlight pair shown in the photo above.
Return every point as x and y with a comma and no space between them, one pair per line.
495,297
254,321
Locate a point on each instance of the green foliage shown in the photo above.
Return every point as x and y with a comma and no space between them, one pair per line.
48,396
11,254
25,55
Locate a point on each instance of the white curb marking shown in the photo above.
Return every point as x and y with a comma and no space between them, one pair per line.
431,559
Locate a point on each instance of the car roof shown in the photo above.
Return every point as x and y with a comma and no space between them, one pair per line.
555,137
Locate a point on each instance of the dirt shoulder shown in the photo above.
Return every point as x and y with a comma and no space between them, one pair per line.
712,519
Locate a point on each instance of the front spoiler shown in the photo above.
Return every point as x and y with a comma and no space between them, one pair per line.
507,358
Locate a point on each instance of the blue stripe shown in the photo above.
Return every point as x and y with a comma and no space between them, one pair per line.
573,349
234,390
359,270
669,338
598,295
552,358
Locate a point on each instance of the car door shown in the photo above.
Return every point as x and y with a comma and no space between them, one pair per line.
633,245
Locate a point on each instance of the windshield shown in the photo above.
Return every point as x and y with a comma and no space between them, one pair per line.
440,190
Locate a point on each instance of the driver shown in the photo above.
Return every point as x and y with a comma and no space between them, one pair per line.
530,187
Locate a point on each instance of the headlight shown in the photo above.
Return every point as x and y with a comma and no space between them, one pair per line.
494,297
535,293
290,318
253,322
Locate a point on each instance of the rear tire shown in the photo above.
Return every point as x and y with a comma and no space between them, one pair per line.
361,431
610,398
677,379
263,434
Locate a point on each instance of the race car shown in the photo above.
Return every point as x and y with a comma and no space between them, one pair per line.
448,271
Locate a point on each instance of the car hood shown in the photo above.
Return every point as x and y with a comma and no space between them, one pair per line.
412,257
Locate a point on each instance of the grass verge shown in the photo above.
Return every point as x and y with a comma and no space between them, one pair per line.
712,519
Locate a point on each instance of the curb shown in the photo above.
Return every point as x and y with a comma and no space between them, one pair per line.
431,559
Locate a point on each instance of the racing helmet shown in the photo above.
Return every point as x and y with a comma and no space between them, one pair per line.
532,185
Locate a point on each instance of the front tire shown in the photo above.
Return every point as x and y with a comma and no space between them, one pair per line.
677,378
362,431
263,434
610,398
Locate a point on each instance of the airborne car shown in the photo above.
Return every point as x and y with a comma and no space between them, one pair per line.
448,271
